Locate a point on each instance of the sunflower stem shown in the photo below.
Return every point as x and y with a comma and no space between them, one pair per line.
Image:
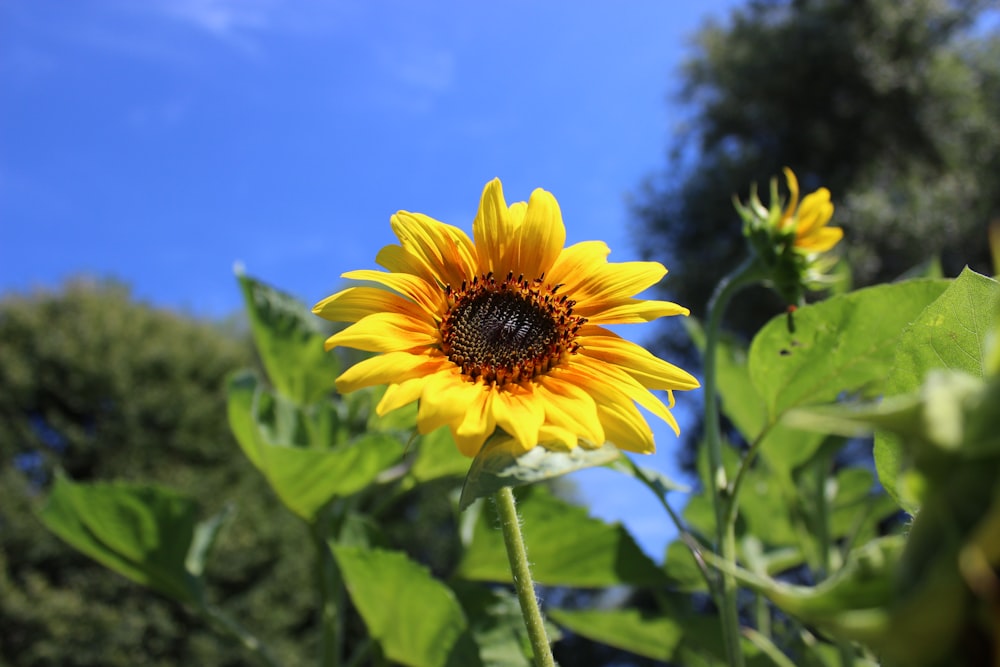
746,273
523,583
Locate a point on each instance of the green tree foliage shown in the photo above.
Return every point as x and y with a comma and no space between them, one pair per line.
894,106
101,387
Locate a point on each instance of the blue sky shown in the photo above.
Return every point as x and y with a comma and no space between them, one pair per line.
160,141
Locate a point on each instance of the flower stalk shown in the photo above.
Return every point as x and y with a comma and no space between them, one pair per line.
748,272
523,583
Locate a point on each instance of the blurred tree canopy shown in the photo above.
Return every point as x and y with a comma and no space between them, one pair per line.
102,387
894,106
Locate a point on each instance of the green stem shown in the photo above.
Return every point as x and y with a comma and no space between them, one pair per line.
229,626
745,274
523,583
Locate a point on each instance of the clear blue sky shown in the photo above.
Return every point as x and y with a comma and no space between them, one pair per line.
160,141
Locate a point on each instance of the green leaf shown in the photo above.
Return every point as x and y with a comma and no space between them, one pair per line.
566,547
949,333
682,569
438,456
650,635
289,342
843,344
142,532
415,618
497,466
305,478
739,399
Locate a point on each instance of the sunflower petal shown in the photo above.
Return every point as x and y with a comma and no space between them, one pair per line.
492,230
820,240
570,406
541,236
519,415
636,311
388,368
412,287
446,398
445,252
386,332
353,303
815,211
649,370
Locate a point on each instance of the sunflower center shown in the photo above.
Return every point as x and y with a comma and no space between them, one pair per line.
508,330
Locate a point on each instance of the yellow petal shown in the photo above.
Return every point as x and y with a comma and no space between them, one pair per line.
820,240
468,445
577,260
557,438
612,285
353,303
540,237
626,428
401,394
386,332
392,367
651,371
444,251
517,413
478,418
569,406
412,287
603,373
446,398
492,231
793,201
815,211
636,311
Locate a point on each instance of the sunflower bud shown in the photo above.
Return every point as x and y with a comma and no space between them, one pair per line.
791,240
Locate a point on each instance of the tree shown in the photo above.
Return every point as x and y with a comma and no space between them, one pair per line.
101,387
894,106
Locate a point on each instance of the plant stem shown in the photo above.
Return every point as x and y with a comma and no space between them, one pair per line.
523,583
746,273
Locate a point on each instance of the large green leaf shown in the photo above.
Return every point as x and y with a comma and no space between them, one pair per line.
782,447
650,635
438,456
142,532
500,464
843,344
415,618
566,547
949,333
289,342
305,478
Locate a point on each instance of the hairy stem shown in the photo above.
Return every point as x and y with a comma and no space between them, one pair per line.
523,583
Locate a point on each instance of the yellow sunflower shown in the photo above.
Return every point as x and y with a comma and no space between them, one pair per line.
507,331
812,235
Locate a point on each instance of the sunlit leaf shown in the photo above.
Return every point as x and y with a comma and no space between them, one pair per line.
647,634
142,532
305,478
566,547
415,618
438,456
949,333
843,344
289,342
499,464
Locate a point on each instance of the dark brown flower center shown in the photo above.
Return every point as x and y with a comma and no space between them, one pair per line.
508,330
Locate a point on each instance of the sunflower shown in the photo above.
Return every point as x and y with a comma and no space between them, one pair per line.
809,219
506,332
